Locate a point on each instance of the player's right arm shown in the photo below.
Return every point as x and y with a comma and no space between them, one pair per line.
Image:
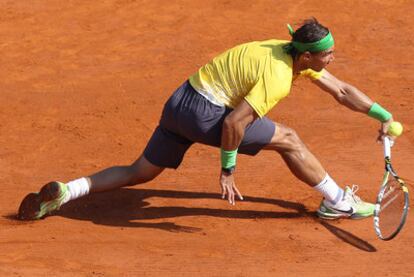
232,134
234,125
350,97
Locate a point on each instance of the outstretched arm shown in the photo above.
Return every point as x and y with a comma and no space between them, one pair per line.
350,97
344,93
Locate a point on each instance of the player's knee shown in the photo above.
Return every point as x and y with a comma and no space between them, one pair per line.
287,140
140,180
293,141
142,171
137,176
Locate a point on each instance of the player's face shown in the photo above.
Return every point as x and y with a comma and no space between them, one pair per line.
320,60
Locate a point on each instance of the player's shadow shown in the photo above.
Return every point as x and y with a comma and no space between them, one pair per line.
130,207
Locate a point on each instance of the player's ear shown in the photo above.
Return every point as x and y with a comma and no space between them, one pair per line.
305,58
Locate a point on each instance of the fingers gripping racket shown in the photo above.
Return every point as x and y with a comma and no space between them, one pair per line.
391,208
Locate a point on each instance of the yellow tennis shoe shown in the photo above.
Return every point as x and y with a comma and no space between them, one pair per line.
351,206
37,205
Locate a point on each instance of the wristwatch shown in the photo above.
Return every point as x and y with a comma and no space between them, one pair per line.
229,170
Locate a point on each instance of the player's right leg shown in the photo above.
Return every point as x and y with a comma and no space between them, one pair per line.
165,149
141,171
54,194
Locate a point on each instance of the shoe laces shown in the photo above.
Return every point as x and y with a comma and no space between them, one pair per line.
352,194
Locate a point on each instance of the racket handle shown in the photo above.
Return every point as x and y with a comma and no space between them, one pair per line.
387,147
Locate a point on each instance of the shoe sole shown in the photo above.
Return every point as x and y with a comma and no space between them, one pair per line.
339,216
30,208
332,216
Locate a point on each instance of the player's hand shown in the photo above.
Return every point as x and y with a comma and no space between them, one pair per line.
228,188
383,130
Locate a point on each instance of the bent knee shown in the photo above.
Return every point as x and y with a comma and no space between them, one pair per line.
292,141
286,139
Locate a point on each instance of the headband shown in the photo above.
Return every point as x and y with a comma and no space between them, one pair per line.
317,46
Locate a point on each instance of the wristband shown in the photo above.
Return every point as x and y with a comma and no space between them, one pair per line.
228,158
378,112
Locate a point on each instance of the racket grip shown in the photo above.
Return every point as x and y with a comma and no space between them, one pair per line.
387,147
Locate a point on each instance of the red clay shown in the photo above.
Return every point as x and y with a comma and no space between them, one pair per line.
82,86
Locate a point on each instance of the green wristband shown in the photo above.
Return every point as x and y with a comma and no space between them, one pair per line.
228,158
379,113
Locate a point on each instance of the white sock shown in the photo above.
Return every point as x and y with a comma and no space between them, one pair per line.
330,190
77,188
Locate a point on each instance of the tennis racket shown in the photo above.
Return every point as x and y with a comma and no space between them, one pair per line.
391,208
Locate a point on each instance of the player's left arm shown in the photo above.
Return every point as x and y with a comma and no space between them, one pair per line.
349,96
344,93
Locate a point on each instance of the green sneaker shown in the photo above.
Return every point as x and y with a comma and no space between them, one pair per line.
351,206
37,205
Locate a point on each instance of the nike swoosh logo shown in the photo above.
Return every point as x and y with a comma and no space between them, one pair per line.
350,211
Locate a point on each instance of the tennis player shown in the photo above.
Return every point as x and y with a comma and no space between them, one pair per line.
224,105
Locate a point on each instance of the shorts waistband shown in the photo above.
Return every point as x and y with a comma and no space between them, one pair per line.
207,96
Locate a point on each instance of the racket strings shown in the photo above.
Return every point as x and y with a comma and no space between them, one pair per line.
391,208
388,200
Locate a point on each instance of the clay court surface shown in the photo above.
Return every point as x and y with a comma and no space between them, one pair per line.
82,87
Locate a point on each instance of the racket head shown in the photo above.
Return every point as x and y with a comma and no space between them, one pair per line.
391,208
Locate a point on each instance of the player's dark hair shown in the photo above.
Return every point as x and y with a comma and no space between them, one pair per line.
310,31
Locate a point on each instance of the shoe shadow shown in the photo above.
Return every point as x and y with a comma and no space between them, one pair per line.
127,207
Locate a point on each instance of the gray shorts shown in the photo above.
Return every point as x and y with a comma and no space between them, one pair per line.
188,117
